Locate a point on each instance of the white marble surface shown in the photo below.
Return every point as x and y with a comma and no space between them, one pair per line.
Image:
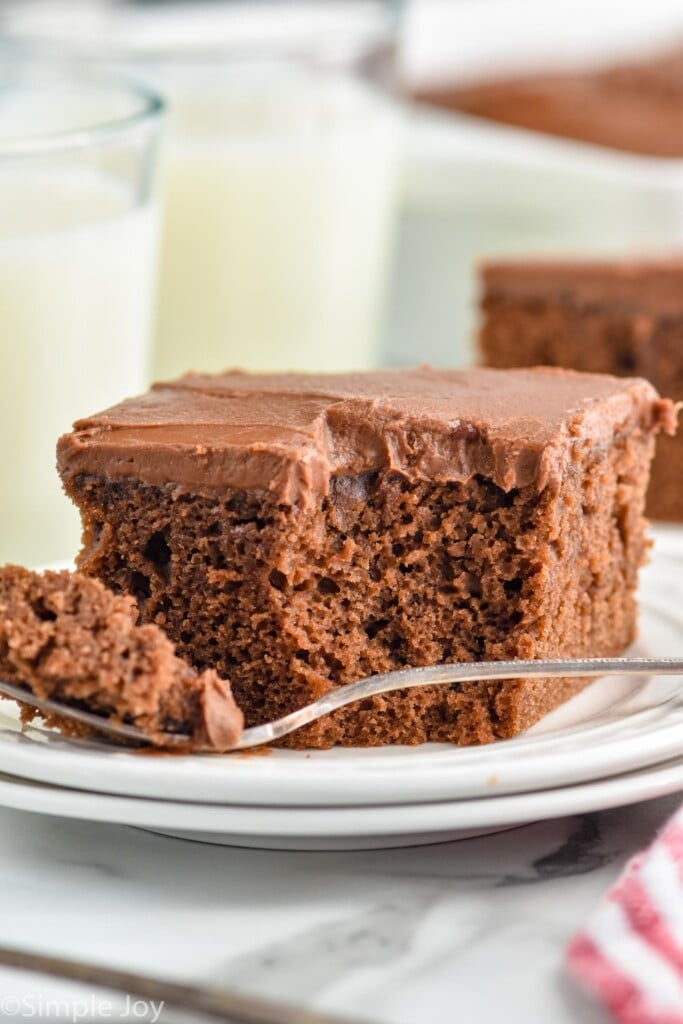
460,932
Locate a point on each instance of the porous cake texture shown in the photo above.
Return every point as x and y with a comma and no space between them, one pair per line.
618,317
67,638
296,533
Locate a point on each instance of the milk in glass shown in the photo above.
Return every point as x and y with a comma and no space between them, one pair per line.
279,204
76,273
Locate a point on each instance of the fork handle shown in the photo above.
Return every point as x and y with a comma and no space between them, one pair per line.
459,672
221,1005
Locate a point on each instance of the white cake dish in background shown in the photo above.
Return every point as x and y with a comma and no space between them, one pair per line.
458,42
474,189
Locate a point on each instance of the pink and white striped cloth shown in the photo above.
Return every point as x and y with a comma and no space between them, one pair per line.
630,953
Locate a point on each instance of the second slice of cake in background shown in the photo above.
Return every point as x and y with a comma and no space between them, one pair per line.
297,533
620,317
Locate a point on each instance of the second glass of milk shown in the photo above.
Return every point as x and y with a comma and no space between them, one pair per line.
78,243
280,185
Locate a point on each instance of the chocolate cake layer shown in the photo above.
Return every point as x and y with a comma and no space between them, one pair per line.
637,106
620,317
67,638
297,533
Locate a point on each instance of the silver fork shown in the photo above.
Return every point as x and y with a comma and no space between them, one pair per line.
401,679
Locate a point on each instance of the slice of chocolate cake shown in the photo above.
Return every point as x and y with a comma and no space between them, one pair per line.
296,533
66,637
618,317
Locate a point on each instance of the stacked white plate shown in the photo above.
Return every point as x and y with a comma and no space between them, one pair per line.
618,742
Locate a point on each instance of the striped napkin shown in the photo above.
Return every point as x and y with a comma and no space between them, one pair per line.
630,953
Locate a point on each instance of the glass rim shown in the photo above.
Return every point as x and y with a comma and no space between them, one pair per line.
376,32
150,108
94,55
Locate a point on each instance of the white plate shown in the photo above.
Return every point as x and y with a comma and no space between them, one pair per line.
614,726
336,828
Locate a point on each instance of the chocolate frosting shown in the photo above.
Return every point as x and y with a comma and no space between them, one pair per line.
290,433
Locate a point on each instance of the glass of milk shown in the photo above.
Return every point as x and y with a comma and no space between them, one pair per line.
280,177
78,248
280,193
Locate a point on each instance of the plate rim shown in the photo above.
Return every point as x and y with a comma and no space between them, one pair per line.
497,773
315,822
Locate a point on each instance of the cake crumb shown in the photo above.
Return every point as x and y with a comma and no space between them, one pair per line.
67,638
